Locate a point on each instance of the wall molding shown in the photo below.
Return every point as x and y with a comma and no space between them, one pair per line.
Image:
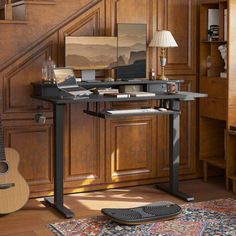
49,33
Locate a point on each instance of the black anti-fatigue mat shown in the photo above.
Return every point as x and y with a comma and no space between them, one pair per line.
139,215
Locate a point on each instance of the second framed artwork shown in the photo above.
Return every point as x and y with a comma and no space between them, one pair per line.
132,45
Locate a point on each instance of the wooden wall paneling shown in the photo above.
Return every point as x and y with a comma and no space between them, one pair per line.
152,25
162,145
84,148
117,11
84,160
138,9
111,17
180,17
130,149
90,23
19,11
34,143
42,21
188,131
181,63
142,13
83,164
17,78
212,137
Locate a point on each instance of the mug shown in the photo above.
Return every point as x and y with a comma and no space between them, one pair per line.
171,87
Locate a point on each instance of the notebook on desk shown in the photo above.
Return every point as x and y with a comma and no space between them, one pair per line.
66,81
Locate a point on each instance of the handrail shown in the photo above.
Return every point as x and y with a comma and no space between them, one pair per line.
49,33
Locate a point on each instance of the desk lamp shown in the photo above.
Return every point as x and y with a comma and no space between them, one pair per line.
163,39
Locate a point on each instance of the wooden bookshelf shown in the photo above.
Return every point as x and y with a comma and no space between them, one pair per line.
213,109
217,143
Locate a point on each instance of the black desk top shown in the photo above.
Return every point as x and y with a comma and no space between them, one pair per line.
117,82
182,96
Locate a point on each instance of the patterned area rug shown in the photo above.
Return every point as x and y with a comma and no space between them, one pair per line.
211,218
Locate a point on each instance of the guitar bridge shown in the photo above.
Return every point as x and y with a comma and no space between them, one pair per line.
6,186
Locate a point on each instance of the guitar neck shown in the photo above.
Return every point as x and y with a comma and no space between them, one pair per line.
2,149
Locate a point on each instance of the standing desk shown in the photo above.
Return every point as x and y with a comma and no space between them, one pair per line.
59,102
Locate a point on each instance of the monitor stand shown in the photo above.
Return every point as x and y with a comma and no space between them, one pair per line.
88,75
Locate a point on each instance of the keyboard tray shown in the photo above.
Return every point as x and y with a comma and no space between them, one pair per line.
106,114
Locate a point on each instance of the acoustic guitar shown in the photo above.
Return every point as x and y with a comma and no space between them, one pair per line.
14,191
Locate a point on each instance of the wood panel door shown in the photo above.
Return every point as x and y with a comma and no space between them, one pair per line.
188,134
34,143
180,17
130,149
84,148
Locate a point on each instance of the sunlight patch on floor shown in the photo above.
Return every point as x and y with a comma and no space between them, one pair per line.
92,204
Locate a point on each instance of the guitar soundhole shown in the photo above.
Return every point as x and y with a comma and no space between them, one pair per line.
3,167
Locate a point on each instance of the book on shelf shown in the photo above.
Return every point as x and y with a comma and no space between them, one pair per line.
214,29
117,95
223,75
142,94
213,24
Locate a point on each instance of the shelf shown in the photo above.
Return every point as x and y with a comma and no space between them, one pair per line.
120,82
233,177
216,161
215,87
217,41
13,22
210,2
213,77
215,108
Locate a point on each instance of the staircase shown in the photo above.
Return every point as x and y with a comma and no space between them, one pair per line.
36,31
10,9
26,22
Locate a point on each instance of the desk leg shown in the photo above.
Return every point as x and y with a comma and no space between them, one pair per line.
174,144
57,201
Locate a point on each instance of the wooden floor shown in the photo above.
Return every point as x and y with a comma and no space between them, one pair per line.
34,217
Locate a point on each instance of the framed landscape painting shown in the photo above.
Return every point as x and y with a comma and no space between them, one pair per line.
90,53
132,46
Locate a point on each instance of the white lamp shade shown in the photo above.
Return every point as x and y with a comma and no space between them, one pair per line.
163,39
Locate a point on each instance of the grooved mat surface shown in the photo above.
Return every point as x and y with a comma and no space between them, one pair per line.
143,214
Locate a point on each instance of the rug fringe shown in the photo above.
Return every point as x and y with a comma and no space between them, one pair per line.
55,230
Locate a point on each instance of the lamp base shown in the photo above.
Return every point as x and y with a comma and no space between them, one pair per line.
162,77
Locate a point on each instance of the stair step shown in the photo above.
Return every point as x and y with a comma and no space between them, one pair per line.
36,2
15,16
13,22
